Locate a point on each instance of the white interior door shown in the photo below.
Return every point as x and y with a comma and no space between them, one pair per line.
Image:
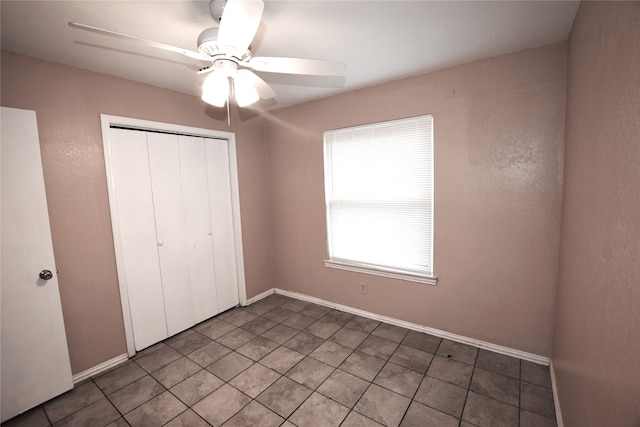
133,218
171,229
176,224
35,359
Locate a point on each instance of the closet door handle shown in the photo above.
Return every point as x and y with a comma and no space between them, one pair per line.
160,243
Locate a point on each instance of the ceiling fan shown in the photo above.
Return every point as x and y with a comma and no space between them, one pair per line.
226,48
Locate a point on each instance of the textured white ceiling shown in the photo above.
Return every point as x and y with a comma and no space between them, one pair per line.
378,40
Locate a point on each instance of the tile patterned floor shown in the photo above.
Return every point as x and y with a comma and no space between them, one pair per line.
285,362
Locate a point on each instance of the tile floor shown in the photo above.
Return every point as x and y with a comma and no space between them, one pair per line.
282,361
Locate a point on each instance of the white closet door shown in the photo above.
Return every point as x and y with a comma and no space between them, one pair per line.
171,229
220,201
139,268
199,228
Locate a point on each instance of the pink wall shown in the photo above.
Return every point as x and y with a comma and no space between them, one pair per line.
596,352
499,126
68,103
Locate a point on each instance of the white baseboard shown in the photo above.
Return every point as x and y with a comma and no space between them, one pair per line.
413,326
260,296
98,369
556,399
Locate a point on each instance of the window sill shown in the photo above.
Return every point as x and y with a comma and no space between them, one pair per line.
381,271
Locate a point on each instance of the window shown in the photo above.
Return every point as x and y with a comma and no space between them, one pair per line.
379,198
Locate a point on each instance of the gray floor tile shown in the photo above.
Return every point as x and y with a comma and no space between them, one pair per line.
331,353
299,321
316,311
187,419
459,352
319,411
390,332
190,343
259,325
362,324
229,366
158,359
348,337
100,412
529,419
322,328
496,386
295,305
362,365
442,396
72,401
378,347
350,361
259,308
483,411
279,314
217,329
221,405
457,373
236,338
535,373
498,363
422,341
338,317
344,388
156,412
284,396
412,358
135,394
196,387
120,422
254,414
257,348
355,419
254,380
399,379
537,399
176,372
239,318
419,415
32,418
382,405
310,372
205,356
282,359
280,333
119,377
304,343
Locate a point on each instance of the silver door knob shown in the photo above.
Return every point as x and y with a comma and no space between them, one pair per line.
46,274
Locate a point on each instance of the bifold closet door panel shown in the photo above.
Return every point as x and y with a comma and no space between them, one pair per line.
220,201
199,229
140,269
171,229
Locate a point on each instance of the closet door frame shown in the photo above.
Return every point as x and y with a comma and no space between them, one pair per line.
107,121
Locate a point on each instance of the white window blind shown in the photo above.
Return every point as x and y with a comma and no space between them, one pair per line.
379,196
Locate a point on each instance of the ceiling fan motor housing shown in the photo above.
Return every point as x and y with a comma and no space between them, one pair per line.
208,45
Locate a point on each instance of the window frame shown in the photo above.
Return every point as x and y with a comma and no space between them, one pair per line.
407,274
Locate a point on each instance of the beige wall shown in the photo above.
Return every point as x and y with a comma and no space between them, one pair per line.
499,126
68,103
596,352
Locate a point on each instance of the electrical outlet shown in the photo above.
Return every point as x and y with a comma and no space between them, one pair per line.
363,287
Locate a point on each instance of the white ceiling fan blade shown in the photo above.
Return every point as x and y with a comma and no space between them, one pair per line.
264,90
189,53
296,66
239,23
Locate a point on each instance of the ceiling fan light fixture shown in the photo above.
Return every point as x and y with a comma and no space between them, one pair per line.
244,92
215,90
